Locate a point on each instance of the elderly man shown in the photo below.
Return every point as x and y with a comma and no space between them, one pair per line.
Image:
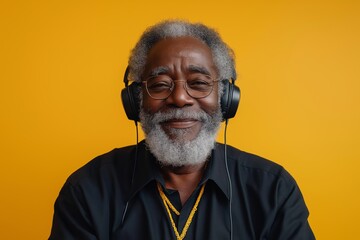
179,183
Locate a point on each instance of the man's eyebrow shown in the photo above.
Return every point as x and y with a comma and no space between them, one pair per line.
158,70
198,69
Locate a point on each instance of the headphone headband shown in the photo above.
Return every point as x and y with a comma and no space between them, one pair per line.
126,76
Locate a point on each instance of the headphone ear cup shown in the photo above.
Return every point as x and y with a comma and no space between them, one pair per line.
131,101
230,99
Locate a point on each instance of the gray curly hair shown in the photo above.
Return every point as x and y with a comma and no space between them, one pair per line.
223,55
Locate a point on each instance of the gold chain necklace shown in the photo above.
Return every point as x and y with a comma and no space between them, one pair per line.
169,206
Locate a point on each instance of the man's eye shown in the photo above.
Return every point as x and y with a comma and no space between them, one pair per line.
158,86
199,84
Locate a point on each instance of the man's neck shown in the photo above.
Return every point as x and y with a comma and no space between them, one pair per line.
183,179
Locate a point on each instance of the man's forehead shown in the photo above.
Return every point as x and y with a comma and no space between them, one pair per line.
190,69
198,55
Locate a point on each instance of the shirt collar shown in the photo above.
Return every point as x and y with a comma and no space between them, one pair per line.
147,170
216,170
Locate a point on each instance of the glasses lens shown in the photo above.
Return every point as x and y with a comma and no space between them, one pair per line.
159,87
199,87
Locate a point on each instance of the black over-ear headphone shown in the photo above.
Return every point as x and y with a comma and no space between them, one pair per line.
130,97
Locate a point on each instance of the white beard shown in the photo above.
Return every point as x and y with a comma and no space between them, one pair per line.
178,151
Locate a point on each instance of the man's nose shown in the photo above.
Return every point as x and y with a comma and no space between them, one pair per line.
179,97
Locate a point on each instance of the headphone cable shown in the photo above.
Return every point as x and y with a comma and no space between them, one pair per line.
133,172
229,180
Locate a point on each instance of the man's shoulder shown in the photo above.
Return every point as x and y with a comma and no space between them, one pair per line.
255,165
106,165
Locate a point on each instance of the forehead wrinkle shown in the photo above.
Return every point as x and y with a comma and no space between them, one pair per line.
198,69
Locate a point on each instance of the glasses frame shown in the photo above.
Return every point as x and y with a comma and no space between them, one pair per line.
185,87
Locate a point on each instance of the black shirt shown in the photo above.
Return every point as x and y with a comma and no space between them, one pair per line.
99,201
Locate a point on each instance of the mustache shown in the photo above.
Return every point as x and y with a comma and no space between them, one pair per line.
199,115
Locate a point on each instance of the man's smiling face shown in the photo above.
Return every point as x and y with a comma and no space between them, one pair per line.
179,59
180,129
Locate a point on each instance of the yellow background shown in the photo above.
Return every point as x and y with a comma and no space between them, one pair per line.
61,74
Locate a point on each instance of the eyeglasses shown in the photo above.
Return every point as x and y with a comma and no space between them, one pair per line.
160,87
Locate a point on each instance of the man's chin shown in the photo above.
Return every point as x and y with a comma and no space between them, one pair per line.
180,146
180,136
180,150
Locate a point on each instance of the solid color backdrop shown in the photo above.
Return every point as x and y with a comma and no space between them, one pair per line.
62,64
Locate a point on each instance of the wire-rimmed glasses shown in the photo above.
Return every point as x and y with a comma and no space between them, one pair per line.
160,87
